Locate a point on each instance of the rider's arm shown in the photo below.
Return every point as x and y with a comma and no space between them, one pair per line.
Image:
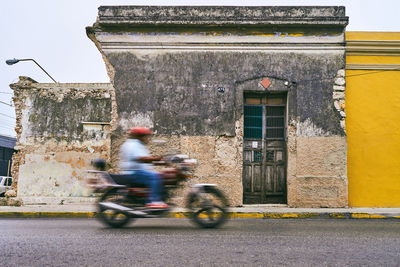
148,159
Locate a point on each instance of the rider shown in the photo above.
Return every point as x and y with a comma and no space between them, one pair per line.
136,160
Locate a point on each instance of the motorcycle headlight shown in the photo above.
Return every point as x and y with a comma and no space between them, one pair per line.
190,161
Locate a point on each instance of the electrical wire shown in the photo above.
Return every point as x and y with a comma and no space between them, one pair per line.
4,103
348,76
8,124
7,115
7,127
311,80
367,73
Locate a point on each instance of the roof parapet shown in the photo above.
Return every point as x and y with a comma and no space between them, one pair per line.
226,15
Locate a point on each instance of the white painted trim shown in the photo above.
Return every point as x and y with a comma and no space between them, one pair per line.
108,48
373,47
96,123
355,66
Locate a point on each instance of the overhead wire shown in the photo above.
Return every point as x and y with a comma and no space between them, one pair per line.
6,115
313,80
7,127
348,76
5,103
8,123
367,73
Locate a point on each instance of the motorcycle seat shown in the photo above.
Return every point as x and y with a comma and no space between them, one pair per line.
126,179
168,173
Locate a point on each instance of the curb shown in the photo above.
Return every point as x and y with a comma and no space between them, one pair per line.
44,214
232,215
305,215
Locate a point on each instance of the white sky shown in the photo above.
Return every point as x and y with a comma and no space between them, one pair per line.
53,33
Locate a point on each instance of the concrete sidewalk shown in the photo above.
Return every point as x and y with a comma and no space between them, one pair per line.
88,210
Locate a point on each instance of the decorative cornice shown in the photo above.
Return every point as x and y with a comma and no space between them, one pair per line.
242,20
355,66
372,47
121,46
214,15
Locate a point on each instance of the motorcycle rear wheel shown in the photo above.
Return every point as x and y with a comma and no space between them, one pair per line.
112,217
212,214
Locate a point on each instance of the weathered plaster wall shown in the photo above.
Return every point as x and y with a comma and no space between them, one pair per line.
169,71
60,128
219,161
317,159
317,172
177,92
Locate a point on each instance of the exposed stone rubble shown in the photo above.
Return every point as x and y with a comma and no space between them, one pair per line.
339,96
10,193
60,129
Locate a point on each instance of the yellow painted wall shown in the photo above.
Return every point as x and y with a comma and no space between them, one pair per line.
373,128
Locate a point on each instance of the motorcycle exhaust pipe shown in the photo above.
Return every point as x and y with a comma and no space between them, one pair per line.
113,206
123,209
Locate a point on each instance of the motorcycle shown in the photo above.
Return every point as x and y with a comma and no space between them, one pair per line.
123,200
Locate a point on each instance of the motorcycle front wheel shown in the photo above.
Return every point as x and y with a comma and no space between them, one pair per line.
111,217
209,208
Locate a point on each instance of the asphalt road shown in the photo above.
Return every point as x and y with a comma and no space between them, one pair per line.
176,242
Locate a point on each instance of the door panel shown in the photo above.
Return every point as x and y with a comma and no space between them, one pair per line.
269,178
247,172
257,178
264,155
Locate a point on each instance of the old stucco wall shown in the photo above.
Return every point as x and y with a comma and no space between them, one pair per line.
183,71
60,129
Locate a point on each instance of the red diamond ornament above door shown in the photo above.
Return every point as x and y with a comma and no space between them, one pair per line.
266,82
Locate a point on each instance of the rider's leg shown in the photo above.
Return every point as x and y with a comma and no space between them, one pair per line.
152,180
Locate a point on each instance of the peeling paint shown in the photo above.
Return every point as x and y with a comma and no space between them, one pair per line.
133,119
339,96
55,145
308,129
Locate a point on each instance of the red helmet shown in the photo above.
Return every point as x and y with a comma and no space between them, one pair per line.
139,131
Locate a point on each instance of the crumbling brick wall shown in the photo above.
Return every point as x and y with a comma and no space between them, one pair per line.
60,129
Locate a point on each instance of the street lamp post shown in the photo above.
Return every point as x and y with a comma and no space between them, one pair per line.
14,61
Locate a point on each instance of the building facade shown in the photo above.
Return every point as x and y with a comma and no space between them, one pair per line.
256,94
373,111
60,129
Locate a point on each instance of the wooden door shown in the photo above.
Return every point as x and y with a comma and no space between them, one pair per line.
264,155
